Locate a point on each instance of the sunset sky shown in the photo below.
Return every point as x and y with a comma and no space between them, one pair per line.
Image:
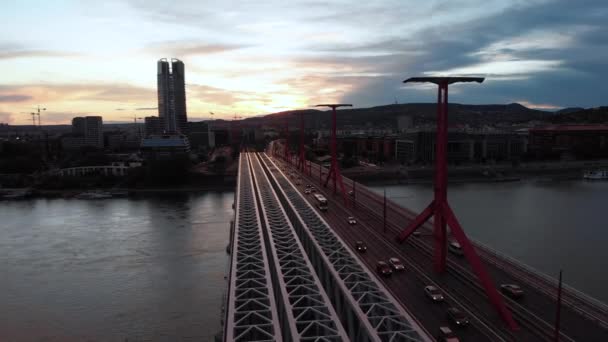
257,57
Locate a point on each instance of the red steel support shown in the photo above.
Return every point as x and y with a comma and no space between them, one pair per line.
302,159
440,209
286,152
334,171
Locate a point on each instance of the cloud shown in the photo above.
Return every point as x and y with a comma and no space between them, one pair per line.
184,48
14,98
16,51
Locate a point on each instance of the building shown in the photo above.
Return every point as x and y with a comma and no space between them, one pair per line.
78,126
165,147
463,146
153,125
86,132
93,133
569,141
172,96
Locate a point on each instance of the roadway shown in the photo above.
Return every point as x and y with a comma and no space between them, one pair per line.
407,286
535,312
537,306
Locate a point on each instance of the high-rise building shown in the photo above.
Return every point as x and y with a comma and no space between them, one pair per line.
153,125
78,126
172,96
86,131
93,134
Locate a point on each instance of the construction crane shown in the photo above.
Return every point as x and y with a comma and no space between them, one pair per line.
36,113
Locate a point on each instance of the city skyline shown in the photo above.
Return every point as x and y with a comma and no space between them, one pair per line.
253,59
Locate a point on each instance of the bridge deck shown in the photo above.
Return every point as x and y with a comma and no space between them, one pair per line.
369,310
583,318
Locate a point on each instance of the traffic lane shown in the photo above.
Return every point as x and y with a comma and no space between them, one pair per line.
465,290
465,294
467,287
409,292
573,324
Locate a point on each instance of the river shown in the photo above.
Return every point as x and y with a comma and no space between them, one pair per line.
547,225
145,269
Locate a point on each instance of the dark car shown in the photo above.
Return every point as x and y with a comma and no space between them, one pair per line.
351,193
433,293
360,247
458,317
416,234
512,290
383,269
455,248
396,264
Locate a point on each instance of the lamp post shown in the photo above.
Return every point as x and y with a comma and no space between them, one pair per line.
334,170
440,209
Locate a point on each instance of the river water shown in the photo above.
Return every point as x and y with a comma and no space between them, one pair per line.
148,269
547,225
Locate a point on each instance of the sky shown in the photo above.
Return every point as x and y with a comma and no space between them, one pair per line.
256,57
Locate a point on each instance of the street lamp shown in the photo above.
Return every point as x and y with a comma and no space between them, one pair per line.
334,170
440,209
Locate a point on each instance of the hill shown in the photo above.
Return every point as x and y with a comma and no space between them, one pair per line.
386,116
587,116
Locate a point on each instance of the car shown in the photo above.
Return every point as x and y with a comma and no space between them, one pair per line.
512,290
455,248
351,220
383,269
351,193
360,247
457,317
308,186
312,189
307,191
396,264
447,335
416,234
433,293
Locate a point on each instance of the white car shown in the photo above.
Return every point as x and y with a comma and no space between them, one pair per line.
351,220
307,191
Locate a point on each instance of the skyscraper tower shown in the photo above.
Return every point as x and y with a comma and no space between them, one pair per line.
172,95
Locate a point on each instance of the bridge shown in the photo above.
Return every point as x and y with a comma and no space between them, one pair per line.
296,275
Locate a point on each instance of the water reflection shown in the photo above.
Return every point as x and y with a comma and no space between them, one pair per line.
148,268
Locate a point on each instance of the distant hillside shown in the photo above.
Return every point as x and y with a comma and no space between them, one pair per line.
569,110
591,115
386,116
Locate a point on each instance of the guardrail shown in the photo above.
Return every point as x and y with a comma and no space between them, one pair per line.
251,313
306,312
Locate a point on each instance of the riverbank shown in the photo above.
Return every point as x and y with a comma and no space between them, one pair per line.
553,171
23,193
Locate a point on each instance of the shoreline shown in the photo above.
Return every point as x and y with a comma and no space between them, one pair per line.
28,193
